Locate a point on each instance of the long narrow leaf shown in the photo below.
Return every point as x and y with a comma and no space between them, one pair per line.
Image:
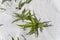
28,1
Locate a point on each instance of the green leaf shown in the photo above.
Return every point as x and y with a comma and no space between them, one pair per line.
31,31
21,16
36,30
42,25
25,25
17,15
17,38
28,1
19,5
30,17
12,38
23,12
16,20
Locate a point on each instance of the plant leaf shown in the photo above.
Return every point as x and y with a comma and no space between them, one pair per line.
17,38
17,15
12,38
42,25
19,5
28,1
21,16
23,11
30,17
26,25
31,31
16,20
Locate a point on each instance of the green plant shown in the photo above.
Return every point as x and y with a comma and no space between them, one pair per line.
12,38
33,25
28,1
19,5
21,16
